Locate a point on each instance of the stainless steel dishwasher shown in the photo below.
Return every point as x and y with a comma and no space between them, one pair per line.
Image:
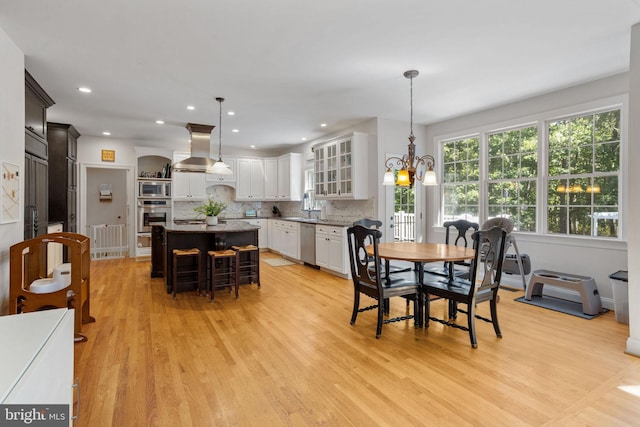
308,243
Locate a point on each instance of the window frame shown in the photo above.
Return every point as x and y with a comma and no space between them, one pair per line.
541,120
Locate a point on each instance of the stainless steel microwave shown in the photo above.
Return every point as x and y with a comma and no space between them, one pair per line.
152,189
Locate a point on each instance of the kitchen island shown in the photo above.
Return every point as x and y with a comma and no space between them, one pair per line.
203,237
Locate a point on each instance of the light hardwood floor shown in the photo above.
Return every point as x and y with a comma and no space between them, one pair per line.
286,354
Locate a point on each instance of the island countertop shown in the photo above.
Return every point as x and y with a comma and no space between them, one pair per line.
229,227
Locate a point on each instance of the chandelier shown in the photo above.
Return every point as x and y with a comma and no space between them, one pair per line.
220,167
409,163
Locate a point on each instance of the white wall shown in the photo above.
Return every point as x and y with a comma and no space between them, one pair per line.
11,147
584,256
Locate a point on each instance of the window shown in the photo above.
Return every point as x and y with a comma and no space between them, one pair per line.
584,164
513,171
461,181
564,180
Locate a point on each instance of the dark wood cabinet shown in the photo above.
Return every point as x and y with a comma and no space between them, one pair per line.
63,191
36,102
36,179
36,169
157,251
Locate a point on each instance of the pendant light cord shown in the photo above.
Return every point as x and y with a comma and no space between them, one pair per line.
220,129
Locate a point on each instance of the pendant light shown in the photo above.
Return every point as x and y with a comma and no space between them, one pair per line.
220,167
410,162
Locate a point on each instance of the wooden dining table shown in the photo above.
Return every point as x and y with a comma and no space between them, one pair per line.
419,254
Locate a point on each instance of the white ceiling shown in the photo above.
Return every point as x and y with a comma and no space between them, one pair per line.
285,66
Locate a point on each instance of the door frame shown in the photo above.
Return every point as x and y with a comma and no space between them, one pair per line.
389,208
130,217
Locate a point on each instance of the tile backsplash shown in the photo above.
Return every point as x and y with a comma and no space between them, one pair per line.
336,210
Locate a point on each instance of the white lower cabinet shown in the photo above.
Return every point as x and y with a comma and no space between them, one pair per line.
331,248
39,368
284,238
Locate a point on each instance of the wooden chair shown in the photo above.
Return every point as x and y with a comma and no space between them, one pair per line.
462,227
390,268
489,247
366,272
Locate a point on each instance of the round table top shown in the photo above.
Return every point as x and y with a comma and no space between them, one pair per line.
422,252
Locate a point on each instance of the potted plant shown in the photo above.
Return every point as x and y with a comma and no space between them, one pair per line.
211,210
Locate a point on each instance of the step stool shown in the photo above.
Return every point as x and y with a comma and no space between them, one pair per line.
585,285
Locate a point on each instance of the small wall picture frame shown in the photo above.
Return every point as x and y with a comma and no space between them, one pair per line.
10,199
108,155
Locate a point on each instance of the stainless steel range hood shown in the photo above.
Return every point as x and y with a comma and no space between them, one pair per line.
200,158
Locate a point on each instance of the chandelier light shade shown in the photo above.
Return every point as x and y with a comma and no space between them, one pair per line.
409,163
220,167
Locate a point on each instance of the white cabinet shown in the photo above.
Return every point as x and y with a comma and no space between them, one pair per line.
213,179
284,236
189,186
283,177
39,367
263,232
250,180
341,168
271,179
331,248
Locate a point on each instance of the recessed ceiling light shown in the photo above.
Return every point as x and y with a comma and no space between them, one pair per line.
84,89
235,130
106,133
253,146
324,125
303,139
160,122
231,113
190,107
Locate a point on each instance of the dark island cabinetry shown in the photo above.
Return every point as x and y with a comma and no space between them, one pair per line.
205,238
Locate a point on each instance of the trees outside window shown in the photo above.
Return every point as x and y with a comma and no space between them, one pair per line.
513,172
461,180
584,164
580,186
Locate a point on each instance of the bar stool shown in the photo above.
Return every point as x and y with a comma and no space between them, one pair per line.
223,271
186,273
248,264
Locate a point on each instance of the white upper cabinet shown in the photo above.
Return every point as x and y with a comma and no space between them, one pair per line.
340,167
283,177
189,186
271,178
250,179
213,179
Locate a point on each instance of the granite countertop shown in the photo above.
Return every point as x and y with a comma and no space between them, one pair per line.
230,227
331,222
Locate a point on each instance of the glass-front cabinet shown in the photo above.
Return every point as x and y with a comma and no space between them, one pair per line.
340,167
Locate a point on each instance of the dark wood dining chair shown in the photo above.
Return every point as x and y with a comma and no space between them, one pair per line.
489,254
390,267
462,227
366,272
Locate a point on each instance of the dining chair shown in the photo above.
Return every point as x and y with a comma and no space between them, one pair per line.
366,273
507,225
485,272
390,268
462,227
